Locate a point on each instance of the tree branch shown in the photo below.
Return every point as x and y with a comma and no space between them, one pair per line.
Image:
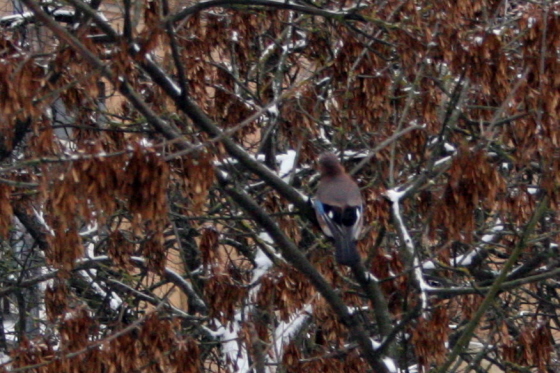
166,129
349,14
467,333
293,255
189,107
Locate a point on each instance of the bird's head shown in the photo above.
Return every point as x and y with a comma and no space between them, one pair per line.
329,165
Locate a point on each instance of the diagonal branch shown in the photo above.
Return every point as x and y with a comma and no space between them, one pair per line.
184,103
167,129
468,332
370,285
293,255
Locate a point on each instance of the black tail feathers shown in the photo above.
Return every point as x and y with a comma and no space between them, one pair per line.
346,252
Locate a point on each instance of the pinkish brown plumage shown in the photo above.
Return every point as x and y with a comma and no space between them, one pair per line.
338,205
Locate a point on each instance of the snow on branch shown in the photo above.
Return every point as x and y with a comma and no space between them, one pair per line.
389,363
263,259
230,334
465,260
17,20
233,349
178,280
476,254
285,331
409,252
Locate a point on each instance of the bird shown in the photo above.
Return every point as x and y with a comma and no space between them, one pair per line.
339,208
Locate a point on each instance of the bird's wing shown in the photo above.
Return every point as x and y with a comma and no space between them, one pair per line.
343,225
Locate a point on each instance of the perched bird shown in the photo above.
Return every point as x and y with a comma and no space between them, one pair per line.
338,205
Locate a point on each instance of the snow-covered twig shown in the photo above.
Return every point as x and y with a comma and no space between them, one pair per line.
467,259
411,258
285,331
